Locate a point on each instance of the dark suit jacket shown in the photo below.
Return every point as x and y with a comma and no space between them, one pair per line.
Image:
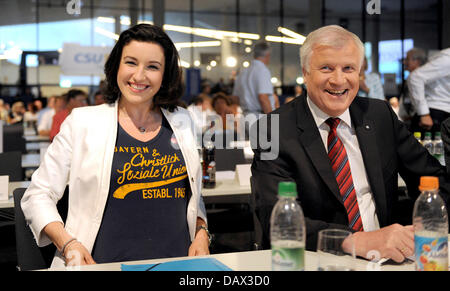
445,132
387,148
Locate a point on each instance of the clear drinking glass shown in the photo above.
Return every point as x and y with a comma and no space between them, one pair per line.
335,250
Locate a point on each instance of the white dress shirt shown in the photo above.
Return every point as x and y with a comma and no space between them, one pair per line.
347,134
429,85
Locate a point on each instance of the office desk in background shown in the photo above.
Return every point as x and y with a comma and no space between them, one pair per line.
11,187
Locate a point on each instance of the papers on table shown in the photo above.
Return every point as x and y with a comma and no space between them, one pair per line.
202,264
242,175
4,180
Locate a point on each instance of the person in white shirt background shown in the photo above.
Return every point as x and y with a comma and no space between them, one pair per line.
253,85
429,89
46,117
415,58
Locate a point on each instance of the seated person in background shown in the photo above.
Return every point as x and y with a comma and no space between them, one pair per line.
299,90
17,112
445,131
370,84
222,105
30,115
3,111
99,98
200,108
131,165
75,98
45,122
343,152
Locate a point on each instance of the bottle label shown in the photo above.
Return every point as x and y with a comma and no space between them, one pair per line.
431,253
288,259
440,158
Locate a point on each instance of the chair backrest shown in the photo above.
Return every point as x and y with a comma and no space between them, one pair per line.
258,232
227,159
13,138
11,165
29,255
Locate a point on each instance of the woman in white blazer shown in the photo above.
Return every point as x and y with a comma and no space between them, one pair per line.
144,86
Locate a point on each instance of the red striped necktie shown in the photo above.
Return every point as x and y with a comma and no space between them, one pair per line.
343,175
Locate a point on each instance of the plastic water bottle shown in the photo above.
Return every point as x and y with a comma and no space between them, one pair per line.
418,136
209,165
287,231
428,143
430,228
439,148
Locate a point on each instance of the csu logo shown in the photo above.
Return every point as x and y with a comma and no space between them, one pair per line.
87,58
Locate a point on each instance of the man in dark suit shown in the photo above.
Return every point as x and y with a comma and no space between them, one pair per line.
344,153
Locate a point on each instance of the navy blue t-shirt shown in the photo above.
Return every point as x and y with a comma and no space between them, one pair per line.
145,214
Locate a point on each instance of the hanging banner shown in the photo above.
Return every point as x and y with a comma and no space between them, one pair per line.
83,60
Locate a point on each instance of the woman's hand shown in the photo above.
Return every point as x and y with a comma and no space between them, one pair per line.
200,245
75,254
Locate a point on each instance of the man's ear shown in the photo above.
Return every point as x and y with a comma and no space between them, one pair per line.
305,74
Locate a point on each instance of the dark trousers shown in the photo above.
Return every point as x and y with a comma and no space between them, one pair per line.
445,131
438,117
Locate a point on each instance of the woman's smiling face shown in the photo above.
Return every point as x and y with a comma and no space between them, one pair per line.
141,71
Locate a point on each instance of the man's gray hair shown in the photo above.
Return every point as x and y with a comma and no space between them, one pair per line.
261,49
331,35
418,54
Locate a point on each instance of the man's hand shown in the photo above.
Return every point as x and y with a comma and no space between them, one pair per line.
394,242
426,122
265,103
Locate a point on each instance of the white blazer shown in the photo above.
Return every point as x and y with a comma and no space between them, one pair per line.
81,156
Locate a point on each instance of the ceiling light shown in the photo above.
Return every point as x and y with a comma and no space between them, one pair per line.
283,39
106,33
180,45
231,62
291,33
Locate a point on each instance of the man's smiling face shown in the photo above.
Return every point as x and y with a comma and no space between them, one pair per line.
333,78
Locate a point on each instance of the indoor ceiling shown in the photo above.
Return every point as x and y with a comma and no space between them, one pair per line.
24,11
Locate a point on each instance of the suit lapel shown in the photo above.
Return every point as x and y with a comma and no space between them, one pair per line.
314,147
365,132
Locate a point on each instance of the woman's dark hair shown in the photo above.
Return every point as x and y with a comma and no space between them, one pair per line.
171,88
220,95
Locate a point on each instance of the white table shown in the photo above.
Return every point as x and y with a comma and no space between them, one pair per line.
254,261
11,187
227,191
36,138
